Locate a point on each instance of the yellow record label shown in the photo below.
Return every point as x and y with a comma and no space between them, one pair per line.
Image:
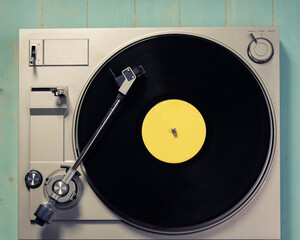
173,131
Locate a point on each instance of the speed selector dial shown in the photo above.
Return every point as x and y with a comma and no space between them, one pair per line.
260,50
33,179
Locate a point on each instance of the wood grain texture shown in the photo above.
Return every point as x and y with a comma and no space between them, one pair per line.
65,13
249,12
113,13
13,15
202,13
157,13
286,15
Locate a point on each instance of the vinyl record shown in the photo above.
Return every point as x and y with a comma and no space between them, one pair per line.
205,187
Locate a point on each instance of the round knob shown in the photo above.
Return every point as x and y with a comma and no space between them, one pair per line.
60,188
260,50
69,194
33,179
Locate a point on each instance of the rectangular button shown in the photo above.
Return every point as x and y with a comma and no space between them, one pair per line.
66,52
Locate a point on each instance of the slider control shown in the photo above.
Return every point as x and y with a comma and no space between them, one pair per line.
33,54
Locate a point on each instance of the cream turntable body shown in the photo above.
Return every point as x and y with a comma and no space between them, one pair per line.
58,65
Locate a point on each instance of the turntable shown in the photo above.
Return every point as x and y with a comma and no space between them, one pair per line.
152,133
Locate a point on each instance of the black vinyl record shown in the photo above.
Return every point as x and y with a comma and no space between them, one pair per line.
220,178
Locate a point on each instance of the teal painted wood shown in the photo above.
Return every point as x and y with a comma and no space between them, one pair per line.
202,13
65,13
286,15
13,15
16,14
249,12
113,13
157,13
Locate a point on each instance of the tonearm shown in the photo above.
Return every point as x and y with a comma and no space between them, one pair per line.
46,211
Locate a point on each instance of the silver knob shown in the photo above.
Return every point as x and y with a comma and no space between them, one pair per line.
60,188
33,179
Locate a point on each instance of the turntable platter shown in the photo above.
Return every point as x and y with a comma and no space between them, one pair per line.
210,185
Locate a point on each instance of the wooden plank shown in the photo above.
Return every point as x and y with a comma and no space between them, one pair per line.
286,15
27,14
249,12
65,13
113,13
13,15
157,13
203,13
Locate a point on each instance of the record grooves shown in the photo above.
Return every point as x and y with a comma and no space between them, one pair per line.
220,178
